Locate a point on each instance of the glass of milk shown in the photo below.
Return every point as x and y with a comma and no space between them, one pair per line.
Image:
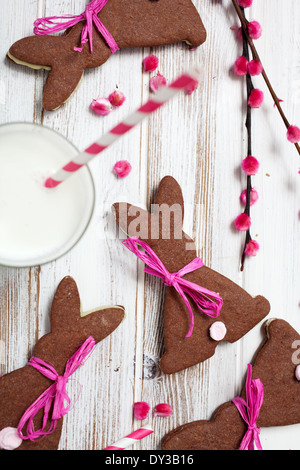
37,224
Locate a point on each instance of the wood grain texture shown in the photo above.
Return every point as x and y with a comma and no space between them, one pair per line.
200,140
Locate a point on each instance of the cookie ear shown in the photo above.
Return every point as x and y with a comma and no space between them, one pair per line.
101,323
66,314
61,83
51,53
275,365
35,51
224,431
169,192
65,308
134,221
165,220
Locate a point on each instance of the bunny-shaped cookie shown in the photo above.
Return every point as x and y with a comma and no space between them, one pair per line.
69,330
162,231
276,366
134,23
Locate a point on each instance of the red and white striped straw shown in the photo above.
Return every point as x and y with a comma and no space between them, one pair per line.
163,95
131,439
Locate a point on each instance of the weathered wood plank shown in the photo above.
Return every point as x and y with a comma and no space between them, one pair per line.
200,140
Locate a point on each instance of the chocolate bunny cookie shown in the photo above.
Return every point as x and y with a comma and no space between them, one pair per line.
276,365
70,329
134,23
162,231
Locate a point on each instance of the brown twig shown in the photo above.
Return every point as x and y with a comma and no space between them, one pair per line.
244,23
249,140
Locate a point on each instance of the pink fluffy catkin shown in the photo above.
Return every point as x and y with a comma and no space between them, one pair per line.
293,134
101,106
256,98
150,63
241,66
253,196
122,168
250,165
243,222
254,67
254,29
116,98
252,248
141,410
156,82
245,3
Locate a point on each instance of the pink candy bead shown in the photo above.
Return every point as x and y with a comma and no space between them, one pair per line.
10,439
217,331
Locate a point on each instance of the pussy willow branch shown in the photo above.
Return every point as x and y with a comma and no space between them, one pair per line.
250,87
244,24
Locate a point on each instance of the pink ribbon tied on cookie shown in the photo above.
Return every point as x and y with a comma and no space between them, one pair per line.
55,398
249,410
50,25
207,301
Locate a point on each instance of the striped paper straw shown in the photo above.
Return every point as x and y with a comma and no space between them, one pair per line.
163,95
131,438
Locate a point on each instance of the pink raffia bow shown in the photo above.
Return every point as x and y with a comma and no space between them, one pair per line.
55,396
202,297
249,410
50,25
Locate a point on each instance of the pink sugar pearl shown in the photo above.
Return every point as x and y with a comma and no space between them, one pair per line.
10,439
217,331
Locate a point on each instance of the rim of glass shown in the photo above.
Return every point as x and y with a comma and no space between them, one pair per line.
91,208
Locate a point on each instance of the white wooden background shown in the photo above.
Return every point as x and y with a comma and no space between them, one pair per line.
200,140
